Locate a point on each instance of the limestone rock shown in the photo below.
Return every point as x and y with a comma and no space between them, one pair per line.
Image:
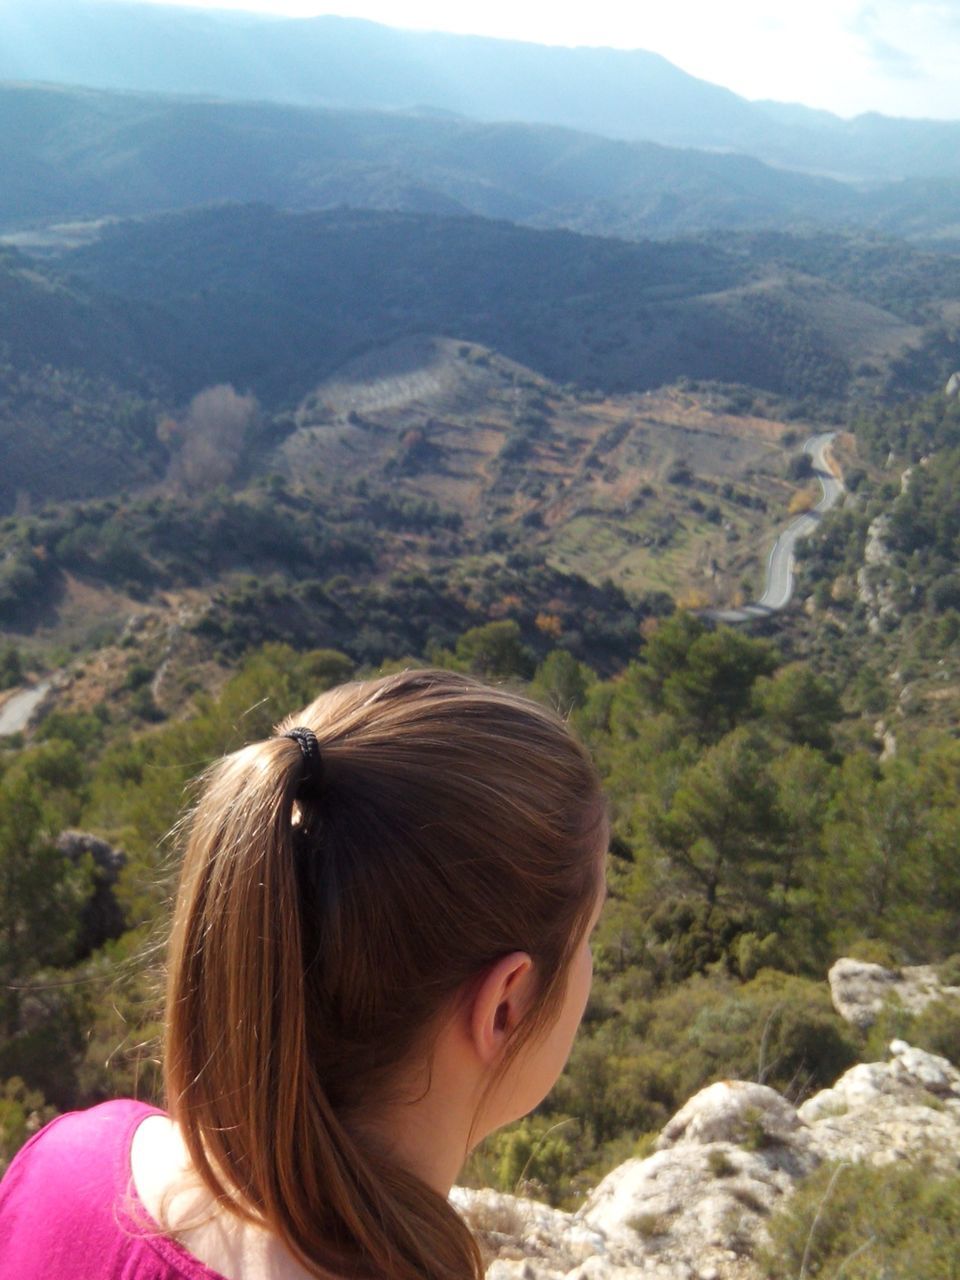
882,1112
550,1242
859,989
730,1111
928,1070
700,1200
952,389
696,1208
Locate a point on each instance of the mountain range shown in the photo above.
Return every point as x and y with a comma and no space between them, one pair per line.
354,64
70,154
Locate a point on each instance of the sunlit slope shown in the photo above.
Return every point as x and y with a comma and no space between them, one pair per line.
669,489
95,345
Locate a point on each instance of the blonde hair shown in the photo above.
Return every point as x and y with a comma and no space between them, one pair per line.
319,931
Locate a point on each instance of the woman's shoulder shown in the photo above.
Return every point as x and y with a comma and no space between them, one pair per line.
76,1136
64,1193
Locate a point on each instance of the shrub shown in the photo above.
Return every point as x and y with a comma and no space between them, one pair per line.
649,1224
719,1164
22,1113
863,1222
936,1029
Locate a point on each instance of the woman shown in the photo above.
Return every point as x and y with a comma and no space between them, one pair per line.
380,954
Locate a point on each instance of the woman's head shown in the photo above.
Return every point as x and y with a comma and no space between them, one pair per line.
325,925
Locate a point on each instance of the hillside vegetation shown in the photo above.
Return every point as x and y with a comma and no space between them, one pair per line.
755,840
81,154
274,302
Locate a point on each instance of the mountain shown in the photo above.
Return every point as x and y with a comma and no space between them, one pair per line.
98,344
275,301
70,154
349,63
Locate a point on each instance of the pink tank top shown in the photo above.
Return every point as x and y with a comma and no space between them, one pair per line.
68,1208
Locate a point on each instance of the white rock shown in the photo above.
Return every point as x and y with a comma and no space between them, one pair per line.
731,1111
695,1208
927,1070
859,990
548,1238
649,1269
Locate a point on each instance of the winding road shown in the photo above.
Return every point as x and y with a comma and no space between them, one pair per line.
780,563
16,712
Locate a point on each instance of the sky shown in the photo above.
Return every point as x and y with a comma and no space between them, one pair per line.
900,57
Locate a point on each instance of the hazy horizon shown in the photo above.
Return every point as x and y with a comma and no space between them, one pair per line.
894,57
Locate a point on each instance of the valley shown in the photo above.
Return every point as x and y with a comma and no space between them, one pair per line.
543,365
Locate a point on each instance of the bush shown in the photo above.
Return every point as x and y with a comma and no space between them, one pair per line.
22,1113
11,667
863,1222
935,1029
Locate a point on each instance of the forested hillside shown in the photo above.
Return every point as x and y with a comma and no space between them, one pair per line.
87,154
158,310
81,154
883,571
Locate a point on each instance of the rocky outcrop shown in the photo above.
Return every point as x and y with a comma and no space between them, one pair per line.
723,1163
907,1109
873,590
101,918
859,990
695,1209
532,1241
952,389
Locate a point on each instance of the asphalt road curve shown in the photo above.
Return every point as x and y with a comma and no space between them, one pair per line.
16,711
780,563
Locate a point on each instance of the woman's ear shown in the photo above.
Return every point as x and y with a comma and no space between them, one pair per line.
499,1003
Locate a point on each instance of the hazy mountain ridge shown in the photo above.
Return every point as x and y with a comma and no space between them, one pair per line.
356,64
71,153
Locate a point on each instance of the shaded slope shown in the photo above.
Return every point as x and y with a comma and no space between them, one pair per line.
275,301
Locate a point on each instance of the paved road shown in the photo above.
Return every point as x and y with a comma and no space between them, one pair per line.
16,711
780,564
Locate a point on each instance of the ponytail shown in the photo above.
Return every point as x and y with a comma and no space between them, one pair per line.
319,928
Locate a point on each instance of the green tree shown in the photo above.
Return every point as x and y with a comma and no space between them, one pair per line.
703,677
496,649
798,704
712,690
722,828
878,879
42,891
11,667
561,681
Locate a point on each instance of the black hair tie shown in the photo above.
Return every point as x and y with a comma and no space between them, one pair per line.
306,739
